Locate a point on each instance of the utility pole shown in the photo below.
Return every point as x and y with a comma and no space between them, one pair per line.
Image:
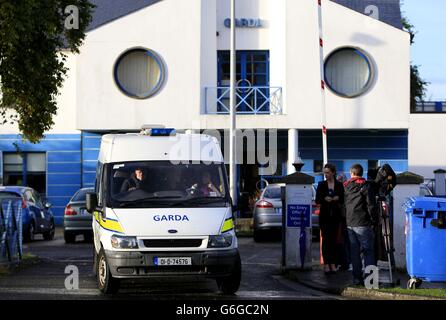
322,69
232,110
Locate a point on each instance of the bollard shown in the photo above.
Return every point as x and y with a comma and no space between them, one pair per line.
297,232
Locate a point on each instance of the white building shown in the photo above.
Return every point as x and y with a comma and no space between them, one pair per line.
167,62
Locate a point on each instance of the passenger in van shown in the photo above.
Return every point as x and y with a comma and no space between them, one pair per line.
206,187
136,181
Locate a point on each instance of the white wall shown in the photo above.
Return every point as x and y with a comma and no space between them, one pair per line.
294,45
172,28
386,105
65,119
427,144
183,33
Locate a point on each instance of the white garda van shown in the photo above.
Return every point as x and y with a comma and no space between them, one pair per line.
162,208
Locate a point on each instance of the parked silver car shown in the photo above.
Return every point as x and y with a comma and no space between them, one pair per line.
268,212
77,221
425,190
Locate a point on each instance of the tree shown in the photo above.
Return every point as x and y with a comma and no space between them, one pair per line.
418,86
32,65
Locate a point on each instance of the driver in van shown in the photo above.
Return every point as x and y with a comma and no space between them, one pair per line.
136,181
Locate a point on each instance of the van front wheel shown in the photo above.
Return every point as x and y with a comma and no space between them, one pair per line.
106,283
230,284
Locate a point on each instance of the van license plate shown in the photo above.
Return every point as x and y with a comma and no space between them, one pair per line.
172,261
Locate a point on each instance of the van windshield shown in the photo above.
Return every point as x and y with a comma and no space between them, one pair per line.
162,183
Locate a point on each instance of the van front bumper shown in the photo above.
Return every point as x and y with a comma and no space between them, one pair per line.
212,264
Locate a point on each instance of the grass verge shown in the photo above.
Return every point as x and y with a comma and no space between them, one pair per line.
435,293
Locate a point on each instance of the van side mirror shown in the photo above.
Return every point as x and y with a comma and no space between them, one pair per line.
91,202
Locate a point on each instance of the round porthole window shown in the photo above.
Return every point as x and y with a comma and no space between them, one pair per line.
139,73
348,72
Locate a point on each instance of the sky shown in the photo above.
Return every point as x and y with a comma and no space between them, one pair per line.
429,49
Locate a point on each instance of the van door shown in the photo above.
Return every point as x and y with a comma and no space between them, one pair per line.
99,192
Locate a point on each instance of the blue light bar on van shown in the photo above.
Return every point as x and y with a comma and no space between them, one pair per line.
161,132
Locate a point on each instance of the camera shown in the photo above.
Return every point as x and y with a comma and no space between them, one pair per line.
384,180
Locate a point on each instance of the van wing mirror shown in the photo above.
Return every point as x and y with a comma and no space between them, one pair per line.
91,202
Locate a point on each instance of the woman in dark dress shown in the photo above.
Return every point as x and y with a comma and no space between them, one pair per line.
330,197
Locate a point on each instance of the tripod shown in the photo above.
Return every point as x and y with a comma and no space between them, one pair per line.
386,233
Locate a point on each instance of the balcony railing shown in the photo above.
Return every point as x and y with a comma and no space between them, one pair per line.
430,107
250,100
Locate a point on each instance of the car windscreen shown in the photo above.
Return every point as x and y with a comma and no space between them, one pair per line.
81,195
272,193
163,183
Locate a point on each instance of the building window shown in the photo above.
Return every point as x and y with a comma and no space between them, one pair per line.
25,169
139,73
252,71
348,72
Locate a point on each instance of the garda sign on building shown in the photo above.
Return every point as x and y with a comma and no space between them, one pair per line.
298,215
245,23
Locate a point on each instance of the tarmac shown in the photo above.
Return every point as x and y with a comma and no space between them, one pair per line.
341,283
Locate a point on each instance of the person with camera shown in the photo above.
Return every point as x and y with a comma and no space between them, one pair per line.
360,207
330,196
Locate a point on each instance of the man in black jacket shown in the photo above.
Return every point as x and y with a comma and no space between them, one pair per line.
360,210
136,181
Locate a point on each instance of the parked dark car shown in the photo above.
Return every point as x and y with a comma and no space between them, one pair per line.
37,217
77,221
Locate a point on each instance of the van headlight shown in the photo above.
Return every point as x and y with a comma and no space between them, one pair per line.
221,241
120,242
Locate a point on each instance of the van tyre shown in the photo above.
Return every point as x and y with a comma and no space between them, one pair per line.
49,235
258,236
88,237
230,284
106,283
29,234
69,237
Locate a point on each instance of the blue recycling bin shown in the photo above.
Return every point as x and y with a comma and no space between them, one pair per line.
425,240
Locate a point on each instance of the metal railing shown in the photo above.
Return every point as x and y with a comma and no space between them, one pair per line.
250,100
11,235
430,107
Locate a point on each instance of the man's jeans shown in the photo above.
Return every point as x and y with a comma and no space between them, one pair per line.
361,241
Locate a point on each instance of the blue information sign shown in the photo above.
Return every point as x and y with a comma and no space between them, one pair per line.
295,213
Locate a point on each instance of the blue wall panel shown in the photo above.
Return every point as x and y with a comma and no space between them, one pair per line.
351,144
64,167
88,179
398,166
89,165
60,156
62,191
91,143
308,166
90,154
63,156
63,179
